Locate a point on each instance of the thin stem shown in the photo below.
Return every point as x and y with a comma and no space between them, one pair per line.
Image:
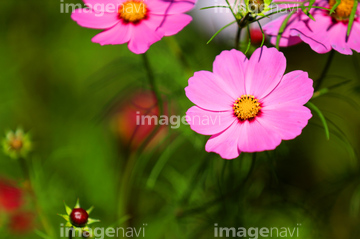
70,233
152,83
25,168
325,70
237,39
178,52
253,161
241,24
226,195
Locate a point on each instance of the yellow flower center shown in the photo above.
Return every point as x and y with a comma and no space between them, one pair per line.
246,107
16,144
133,11
343,11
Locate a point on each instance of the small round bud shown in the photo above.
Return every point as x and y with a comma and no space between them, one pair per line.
79,217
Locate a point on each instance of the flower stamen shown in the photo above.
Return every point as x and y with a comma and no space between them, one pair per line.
246,107
343,11
133,11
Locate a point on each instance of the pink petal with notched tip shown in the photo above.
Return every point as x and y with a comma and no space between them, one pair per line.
295,88
225,143
142,38
173,24
286,120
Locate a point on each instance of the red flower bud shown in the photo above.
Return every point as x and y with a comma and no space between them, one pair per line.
79,217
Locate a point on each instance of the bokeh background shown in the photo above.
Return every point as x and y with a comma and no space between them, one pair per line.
79,100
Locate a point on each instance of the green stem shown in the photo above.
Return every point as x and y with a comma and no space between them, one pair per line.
325,70
241,24
25,168
152,83
124,193
226,195
70,233
237,39
178,52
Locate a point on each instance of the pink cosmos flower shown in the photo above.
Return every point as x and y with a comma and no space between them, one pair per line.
136,22
325,33
248,105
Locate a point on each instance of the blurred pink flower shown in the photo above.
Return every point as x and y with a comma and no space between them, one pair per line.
248,105
129,123
22,222
325,33
11,197
138,23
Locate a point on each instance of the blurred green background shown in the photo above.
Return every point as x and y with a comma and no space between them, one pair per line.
69,93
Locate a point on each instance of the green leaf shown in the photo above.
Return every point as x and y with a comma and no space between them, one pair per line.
220,31
166,155
355,202
263,34
68,209
352,17
66,217
310,16
90,210
77,205
335,6
249,43
307,11
91,221
203,8
120,221
322,118
320,92
282,28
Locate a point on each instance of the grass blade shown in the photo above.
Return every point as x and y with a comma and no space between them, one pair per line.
322,118
220,31
335,6
352,17
282,28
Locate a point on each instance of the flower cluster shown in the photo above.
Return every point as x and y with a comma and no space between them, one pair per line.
258,104
327,31
12,204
